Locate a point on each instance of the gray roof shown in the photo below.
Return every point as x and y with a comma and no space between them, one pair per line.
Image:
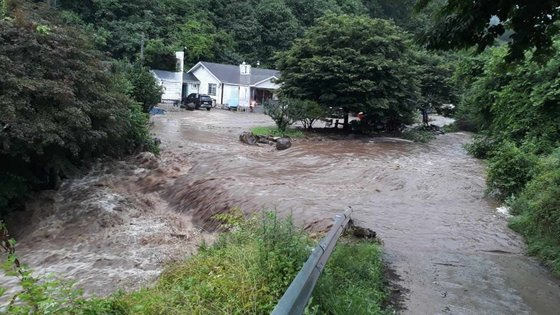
230,73
167,75
189,77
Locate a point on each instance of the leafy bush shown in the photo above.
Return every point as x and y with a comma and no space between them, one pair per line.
509,169
307,112
538,208
353,281
418,134
283,112
144,88
481,146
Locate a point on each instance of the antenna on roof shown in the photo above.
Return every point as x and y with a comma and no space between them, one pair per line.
258,63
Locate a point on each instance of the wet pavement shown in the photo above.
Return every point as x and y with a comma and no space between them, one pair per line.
453,252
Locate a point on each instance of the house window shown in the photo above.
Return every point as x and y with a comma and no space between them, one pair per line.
212,89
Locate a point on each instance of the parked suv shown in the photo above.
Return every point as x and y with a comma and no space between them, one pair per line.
196,101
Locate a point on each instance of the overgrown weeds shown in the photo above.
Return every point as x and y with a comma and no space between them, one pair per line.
353,281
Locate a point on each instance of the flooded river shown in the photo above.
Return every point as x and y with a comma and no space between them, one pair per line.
452,250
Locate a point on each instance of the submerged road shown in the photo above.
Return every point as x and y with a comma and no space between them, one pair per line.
453,252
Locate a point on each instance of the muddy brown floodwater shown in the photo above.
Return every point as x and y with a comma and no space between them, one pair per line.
453,252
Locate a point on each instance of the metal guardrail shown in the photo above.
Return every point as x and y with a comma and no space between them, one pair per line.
297,295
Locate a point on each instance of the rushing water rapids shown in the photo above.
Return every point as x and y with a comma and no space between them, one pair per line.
450,247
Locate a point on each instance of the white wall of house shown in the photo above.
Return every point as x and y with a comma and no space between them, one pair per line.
171,90
205,78
192,88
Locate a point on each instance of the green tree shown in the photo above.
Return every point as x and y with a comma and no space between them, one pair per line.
239,19
306,11
277,27
356,63
60,104
462,24
145,89
436,83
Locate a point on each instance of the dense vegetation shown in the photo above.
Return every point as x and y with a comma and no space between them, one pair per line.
216,30
62,102
245,272
515,108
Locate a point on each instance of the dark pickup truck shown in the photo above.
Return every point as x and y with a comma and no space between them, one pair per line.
196,101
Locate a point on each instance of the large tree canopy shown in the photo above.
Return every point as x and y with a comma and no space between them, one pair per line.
60,103
357,63
462,24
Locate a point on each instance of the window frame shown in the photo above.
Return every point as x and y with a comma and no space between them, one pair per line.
215,90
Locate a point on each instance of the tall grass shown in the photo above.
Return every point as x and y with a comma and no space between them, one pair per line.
353,281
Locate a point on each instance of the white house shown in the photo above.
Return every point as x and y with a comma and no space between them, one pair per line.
235,85
171,82
231,85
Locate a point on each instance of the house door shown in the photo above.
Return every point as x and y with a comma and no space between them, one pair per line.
233,100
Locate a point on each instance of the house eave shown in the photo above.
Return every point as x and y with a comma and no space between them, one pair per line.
200,64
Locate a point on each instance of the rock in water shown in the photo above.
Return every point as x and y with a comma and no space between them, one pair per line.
248,138
283,143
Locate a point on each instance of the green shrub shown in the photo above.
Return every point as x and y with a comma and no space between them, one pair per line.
481,146
353,281
11,188
509,169
538,207
307,112
282,112
419,134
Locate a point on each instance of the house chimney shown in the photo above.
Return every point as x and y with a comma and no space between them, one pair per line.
244,69
180,56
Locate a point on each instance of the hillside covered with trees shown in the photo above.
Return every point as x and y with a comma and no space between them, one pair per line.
216,30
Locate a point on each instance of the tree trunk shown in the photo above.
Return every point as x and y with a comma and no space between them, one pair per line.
346,126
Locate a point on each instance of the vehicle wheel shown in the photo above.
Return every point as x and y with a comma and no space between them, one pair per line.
208,108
